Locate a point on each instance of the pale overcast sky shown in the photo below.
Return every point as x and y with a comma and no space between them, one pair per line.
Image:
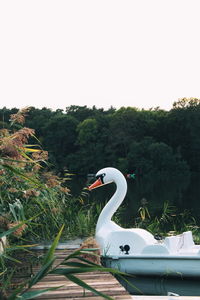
141,53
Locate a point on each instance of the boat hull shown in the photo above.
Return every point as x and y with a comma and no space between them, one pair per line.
151,275
186,265
160,285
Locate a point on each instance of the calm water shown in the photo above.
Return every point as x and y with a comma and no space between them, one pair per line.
138,191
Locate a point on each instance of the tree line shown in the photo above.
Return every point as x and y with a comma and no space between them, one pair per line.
162,148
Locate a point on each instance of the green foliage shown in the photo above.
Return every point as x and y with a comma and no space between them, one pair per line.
87,131
60,139
186,103
161,147
167,221
28,188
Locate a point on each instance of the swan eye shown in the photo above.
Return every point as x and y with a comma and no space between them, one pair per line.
101,176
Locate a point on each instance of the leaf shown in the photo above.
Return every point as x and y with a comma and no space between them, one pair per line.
31,294
75,264
73,255
31,150
2,273
34,294
21,247
48,260
86,286
10,258
8,232
16,292
89,249
16,160
41,273
88,268
51,251
17,172
27,157
76,254
87,261
33,145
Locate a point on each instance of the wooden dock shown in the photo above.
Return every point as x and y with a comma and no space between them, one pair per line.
102,281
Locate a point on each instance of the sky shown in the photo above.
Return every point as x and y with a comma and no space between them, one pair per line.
138,53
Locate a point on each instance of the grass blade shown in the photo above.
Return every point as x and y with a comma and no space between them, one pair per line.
34,294
86,286
86,260
8,232
41,273
88,268
48,261
21,174
5,256
52,249
76,264
31,294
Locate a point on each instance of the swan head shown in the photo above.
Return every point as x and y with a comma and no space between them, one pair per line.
105,176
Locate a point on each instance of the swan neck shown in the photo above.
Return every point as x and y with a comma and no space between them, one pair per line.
113,204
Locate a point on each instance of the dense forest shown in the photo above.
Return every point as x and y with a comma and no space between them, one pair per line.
162,148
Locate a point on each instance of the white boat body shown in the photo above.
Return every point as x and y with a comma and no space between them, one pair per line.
174,256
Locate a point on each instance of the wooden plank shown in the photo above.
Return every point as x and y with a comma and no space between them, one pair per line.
70,294
109,286
66,283
102,281
58,278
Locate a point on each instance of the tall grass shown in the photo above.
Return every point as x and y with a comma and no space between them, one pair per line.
169,221
28,188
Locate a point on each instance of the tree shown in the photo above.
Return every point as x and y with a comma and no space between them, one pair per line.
182,130
186,102
161,174
60,137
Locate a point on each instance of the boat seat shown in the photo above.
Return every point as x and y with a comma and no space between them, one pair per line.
172,243
179,243
188,241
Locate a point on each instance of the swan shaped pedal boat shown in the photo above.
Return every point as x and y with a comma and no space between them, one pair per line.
136,251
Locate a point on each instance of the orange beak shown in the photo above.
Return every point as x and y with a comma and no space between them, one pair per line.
96,184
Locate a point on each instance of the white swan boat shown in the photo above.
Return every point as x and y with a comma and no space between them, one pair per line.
136,251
